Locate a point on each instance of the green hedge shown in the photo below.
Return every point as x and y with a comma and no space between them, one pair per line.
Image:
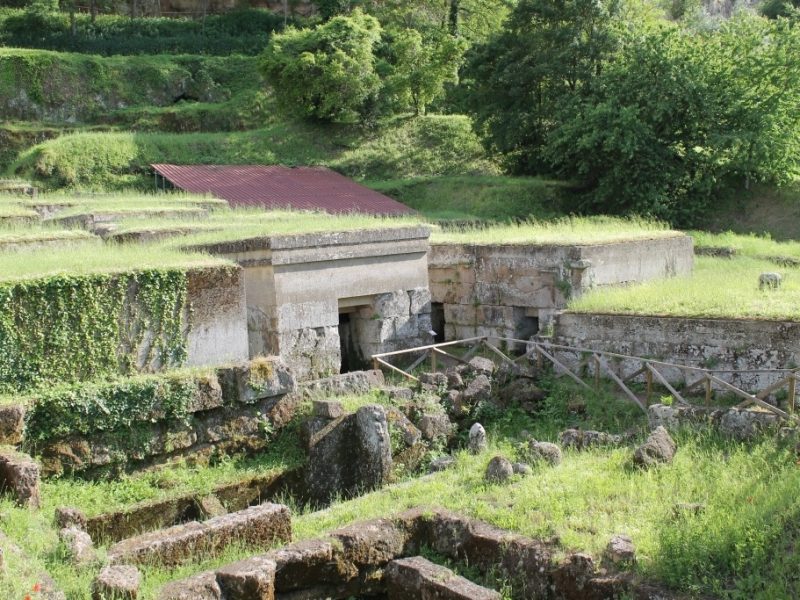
238,32
63,329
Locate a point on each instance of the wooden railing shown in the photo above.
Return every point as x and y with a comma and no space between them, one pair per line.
595,365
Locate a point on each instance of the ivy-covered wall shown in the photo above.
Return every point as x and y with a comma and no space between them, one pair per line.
64,328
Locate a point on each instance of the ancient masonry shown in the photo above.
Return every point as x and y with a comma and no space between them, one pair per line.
326,302
515,290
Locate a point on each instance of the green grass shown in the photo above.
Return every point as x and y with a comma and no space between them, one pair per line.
82,260
738,546
718,288
756,246
243,224
31,235
560,232
423,146
480,197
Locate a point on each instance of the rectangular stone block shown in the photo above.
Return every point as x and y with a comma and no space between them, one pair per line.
249,579
12,424
416,578
309,563
19,476
256,526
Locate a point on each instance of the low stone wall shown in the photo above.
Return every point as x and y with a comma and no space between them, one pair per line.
227,413
352,562
512,290
725,344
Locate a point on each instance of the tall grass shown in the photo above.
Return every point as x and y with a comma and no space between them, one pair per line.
718,288
564,231
477,197
758,246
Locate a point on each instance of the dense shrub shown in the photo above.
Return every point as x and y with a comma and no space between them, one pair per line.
326,73
237,32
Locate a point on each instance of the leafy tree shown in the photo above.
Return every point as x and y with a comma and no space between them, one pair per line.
546,55
679,114
329,72
422,68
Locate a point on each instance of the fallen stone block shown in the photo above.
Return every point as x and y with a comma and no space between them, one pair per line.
202,586
12,424
620,550
79,546
117,582
372,543
19,476
250,579
482,365
416,578
479,389
477,438
659,448
258,526
315,561
435,427
542,452
581,440
441,464
499,470
66,516
327,409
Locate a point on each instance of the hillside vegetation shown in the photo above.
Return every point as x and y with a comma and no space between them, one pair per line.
431,145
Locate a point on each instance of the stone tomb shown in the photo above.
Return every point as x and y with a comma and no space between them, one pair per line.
325,302
514,290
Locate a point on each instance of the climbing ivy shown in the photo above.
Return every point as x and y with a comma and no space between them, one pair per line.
64,328
121,405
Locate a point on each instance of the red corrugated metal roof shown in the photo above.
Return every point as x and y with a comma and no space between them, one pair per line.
300,188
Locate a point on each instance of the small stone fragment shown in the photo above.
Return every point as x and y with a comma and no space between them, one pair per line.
434,379
441,464
477,439
66,516
454,380
543,451
117,582
482,365
327,409
210,507
580,440
499,470
399,393
79,546
659,448
435,427
479,389
620,550
521,468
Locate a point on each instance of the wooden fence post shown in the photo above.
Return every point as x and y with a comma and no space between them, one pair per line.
649,379
792,392
709,392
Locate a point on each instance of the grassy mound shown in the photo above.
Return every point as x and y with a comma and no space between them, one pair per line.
424,146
